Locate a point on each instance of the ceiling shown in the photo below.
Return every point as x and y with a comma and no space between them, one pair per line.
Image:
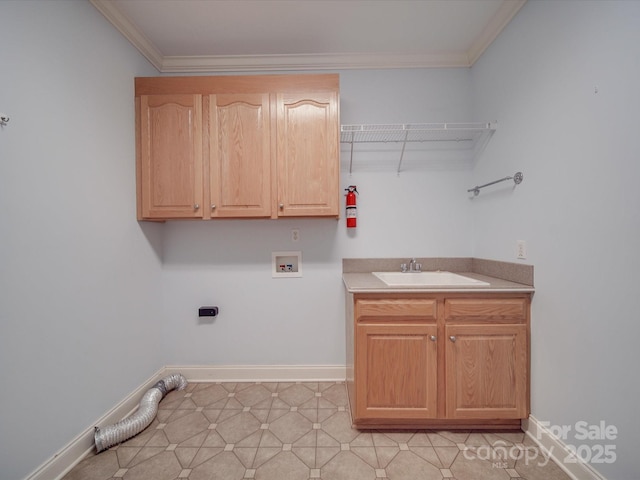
242,35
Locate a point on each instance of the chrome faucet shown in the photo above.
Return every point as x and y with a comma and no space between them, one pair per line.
414,266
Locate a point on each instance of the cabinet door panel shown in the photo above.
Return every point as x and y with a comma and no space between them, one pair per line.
308,154
171,156
396,371
486,371
240,166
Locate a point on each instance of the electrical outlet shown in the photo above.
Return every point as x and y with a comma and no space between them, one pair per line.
295,234
521,249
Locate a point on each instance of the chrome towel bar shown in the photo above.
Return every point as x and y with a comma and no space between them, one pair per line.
517,179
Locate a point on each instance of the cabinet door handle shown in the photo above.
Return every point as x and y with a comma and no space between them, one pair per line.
281,206
433,338
196,206
452,338
213,206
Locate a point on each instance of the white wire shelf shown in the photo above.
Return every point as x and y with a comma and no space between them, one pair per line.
470,137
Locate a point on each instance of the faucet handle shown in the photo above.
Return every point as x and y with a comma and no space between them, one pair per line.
403,267
417,267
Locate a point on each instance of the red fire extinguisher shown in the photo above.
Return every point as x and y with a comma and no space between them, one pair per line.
352,209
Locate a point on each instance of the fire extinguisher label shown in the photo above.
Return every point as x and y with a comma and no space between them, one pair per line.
352,212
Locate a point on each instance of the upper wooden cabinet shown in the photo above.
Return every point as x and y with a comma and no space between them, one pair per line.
308,146
170,156
239,155
237,146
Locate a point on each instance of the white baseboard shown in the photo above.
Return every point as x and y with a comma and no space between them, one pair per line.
81,446
555,448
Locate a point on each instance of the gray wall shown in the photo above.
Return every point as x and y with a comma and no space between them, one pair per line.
80,275
563,81
79,278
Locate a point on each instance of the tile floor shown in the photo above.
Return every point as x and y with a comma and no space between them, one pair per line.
301,431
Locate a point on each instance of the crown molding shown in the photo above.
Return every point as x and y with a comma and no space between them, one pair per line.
305,62
130,31
505,13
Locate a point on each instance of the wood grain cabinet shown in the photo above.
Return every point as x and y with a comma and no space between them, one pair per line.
396,358
239,155
170,161
308,152
487,358
237,146
442,360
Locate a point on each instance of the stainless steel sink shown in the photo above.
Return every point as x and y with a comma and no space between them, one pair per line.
428,279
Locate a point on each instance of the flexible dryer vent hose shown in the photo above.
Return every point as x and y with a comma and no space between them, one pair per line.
106,437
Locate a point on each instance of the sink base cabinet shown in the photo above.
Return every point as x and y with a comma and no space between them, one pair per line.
385,350
438,360
486,369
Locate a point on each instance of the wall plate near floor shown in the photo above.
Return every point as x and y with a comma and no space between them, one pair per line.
286,264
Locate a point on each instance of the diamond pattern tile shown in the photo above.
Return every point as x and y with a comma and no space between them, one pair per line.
299,431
